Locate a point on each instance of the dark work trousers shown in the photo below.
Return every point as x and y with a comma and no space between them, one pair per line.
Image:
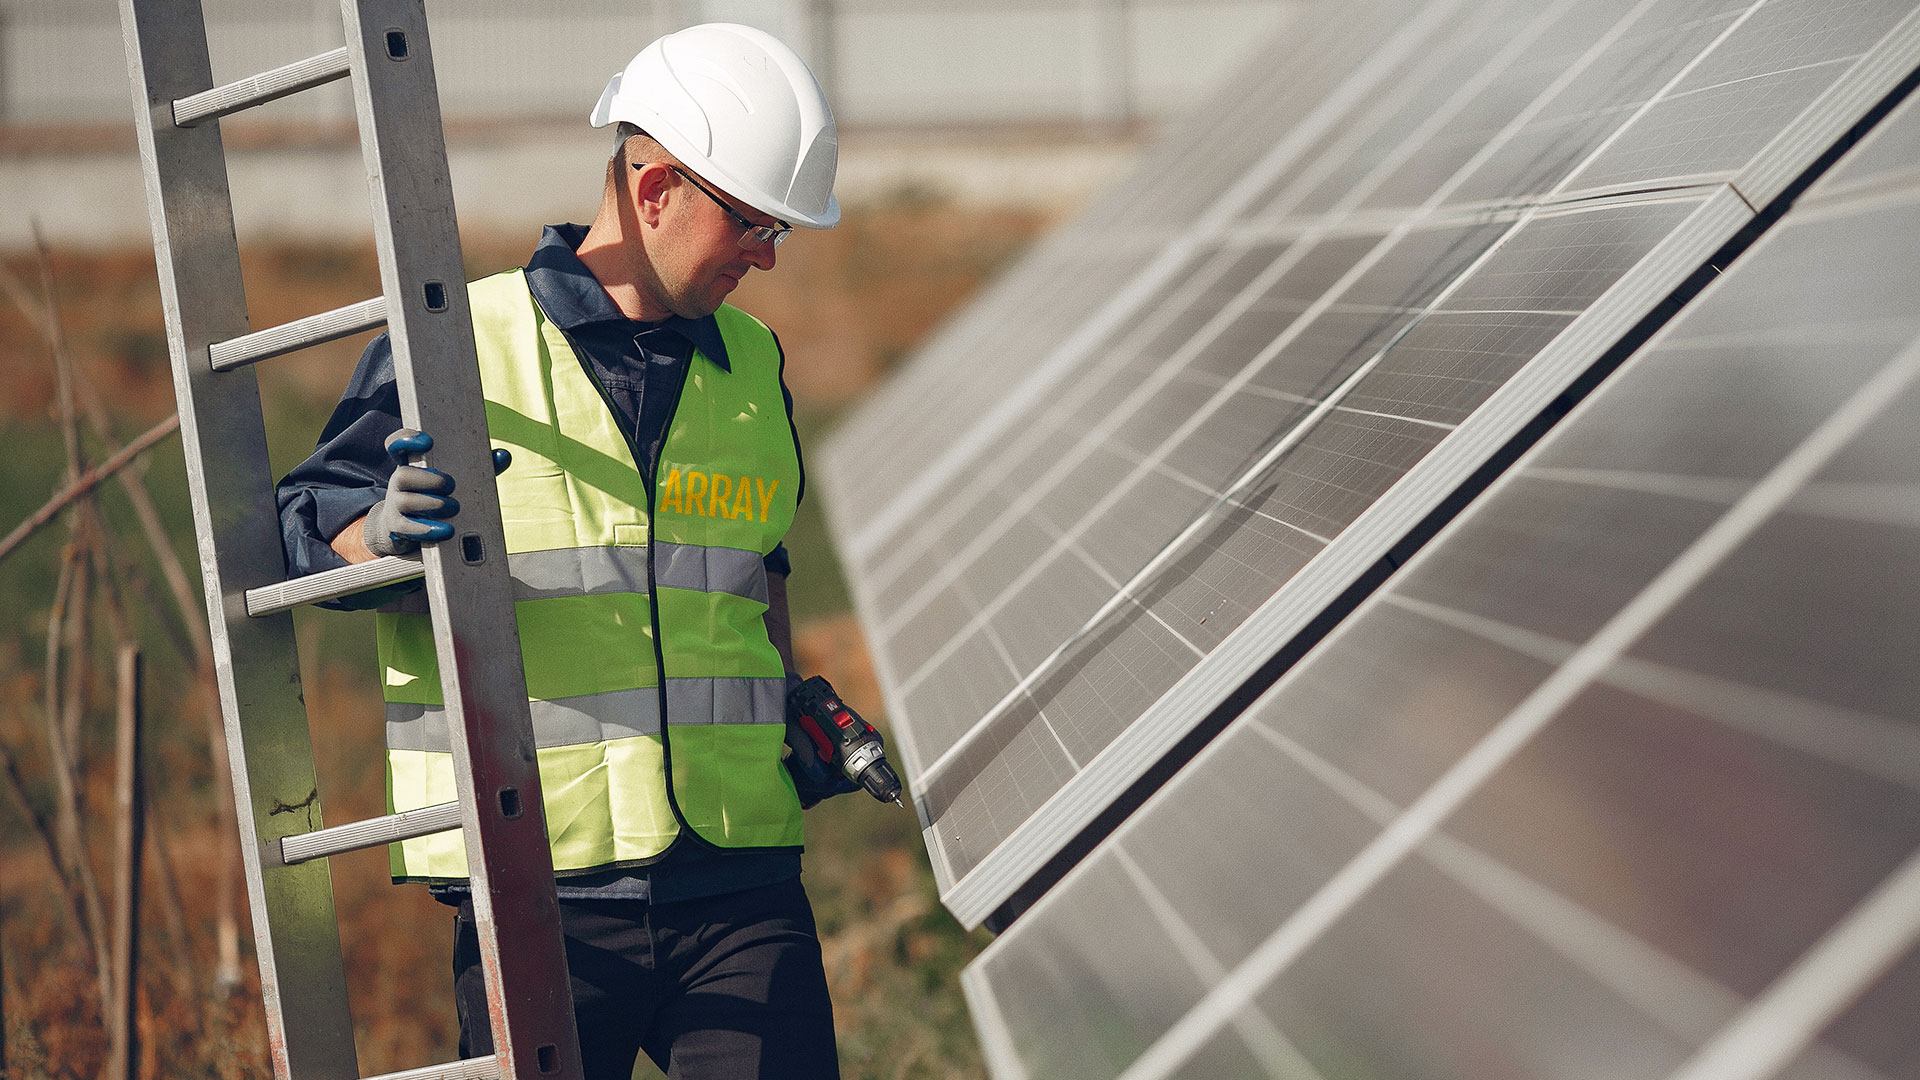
727,986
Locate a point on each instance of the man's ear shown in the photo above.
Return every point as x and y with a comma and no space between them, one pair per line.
650,191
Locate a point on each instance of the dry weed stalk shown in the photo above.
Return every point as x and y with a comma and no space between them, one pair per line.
89,557
124,466
72,848
124,1020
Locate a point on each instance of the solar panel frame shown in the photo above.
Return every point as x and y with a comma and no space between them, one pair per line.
1729,207
1810,467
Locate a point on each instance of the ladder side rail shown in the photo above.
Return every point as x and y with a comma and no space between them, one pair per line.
468,587
270,752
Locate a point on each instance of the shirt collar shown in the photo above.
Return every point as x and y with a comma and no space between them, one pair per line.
572,297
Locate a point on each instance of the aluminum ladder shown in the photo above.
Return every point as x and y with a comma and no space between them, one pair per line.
424,307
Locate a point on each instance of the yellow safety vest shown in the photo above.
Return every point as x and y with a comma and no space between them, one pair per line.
612,586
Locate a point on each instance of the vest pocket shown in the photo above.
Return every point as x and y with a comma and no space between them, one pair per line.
732,787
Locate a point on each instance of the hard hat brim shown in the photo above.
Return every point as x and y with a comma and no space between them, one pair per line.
644,119
602,114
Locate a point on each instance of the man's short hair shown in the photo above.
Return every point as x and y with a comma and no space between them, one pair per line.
623,131
630,144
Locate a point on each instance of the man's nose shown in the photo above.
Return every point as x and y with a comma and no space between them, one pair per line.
761,256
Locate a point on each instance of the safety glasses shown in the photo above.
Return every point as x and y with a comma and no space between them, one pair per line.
754,237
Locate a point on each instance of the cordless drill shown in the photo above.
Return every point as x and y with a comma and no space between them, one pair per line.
839,740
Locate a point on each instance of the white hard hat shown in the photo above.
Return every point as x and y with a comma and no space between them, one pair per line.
738,107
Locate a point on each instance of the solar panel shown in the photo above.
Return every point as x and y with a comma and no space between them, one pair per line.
1618,777
1069,554
1129,244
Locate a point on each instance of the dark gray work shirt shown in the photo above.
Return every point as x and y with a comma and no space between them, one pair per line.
641,366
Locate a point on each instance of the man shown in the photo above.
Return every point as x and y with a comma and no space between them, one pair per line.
654,471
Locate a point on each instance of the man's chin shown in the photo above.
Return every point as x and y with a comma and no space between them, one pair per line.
700,307
696,310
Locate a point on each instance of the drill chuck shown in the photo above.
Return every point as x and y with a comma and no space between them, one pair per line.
867,766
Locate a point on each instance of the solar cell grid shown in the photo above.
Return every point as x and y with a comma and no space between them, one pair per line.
1447,365
1483,36
1252,419
1026,451
1616,778
1560,46
1735,101
1314,293
1056,604
1191,598
1562,261
1602,92
1298,276
970,363
1218,144
1119,541
1245,550
1253,129
1429,261
1246,424
1027,541
1313,355
1407,283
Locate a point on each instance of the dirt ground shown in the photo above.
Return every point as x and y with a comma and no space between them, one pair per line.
847,305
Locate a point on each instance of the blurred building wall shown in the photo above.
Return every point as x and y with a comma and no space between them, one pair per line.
885,62
1030,103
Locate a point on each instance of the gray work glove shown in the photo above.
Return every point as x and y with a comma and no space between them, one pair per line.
418,499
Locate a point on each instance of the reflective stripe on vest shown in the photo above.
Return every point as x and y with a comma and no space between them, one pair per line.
579,536
617,714
592,571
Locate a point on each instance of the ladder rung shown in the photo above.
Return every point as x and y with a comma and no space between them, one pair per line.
369,833
298,334
480,1068
332,584
259,89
